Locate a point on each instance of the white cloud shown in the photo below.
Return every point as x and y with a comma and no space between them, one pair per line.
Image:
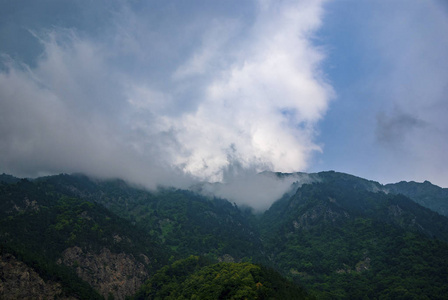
246,187
128,102
264,103
211,55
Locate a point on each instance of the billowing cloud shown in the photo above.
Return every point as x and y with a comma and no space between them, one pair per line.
159,101
260,96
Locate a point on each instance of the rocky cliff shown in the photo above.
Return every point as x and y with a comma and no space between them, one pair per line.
116,274
18,281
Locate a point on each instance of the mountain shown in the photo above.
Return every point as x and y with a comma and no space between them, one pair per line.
426,194
5,178
336,236
95,229
344,238
80,245
185,222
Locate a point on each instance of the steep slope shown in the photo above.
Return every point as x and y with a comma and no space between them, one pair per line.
339,235
344,240
72,241
186,222
426,194
19,281
371,199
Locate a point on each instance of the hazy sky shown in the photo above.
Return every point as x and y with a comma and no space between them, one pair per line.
169,92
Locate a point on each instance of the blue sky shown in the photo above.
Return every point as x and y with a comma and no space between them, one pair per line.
171,92
387,62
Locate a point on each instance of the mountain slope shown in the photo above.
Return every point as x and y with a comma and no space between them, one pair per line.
338,235
343,240
186,222
74,242
425,194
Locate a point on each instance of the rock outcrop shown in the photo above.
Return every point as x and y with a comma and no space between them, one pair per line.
110,273
18,281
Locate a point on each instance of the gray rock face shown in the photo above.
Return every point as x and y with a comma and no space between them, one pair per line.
18,281
110,273
317,215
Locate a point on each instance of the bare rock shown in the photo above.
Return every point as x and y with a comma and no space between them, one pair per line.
18,281
110,273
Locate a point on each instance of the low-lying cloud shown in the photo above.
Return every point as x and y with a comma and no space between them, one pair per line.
168,105
256,190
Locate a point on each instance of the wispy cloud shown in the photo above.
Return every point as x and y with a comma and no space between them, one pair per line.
159,101
395,128
412,44
247,187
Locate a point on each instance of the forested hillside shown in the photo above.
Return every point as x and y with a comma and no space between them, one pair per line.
197,278
185,222
344,241
79,244
425,194
336,236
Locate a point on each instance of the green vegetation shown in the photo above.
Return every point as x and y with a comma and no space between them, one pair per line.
348,243
340,238
196,278
37,225
425,194
67,222
184,221
48,269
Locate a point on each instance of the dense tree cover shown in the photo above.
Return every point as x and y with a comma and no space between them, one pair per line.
196,278
425,194
48,269
362,258
191,224
36,227
353,196
186,222
352,243
52,225
25,218
5,178
341,237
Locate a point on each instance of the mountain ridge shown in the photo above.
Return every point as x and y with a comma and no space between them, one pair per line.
330,229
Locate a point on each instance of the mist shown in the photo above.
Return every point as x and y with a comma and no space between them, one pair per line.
248,188
165,101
